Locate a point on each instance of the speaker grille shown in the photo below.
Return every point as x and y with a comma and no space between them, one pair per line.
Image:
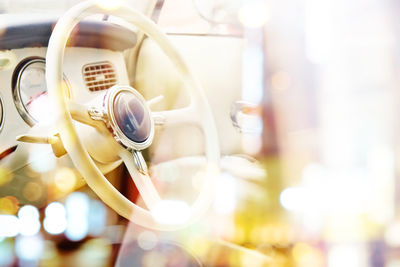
99,76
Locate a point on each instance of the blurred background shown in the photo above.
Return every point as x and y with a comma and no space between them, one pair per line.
318,110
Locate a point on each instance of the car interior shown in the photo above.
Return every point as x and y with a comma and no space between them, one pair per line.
215,133
108,52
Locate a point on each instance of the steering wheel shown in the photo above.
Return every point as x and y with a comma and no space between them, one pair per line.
123,124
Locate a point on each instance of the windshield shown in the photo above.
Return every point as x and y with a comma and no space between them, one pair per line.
55,7
174,16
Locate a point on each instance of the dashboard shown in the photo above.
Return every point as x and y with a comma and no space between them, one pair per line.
95,59
93,62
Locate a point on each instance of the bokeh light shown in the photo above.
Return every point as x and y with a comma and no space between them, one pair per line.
6,252
225,194
29,248
97,217
147,240
9,205
392,234
29,223
42,158
65,179
306,255
9,226
77,208
55,221
347,255
293,199
6,176
32,191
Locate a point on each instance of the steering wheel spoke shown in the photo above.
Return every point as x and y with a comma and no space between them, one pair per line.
140,177
167,118
81,114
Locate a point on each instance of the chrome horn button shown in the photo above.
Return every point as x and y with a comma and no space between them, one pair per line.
129,116
132,117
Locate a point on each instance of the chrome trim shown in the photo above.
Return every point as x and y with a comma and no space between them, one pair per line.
108,106
140,163
97,114
2,116
17,94
16,88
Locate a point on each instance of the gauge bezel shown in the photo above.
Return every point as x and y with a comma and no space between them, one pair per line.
2,116
16,89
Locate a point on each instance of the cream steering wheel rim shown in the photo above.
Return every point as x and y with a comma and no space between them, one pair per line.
74,146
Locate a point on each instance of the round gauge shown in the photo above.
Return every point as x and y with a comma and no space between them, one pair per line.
1,113
30,92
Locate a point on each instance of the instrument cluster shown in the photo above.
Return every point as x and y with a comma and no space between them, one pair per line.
30,91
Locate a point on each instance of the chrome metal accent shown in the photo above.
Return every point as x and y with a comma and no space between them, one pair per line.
16,90
108,106
97,114
17,94
1,114
245,117
159,120
155,100
140,163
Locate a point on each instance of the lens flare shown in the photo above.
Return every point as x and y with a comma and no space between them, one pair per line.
171,212
254,14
